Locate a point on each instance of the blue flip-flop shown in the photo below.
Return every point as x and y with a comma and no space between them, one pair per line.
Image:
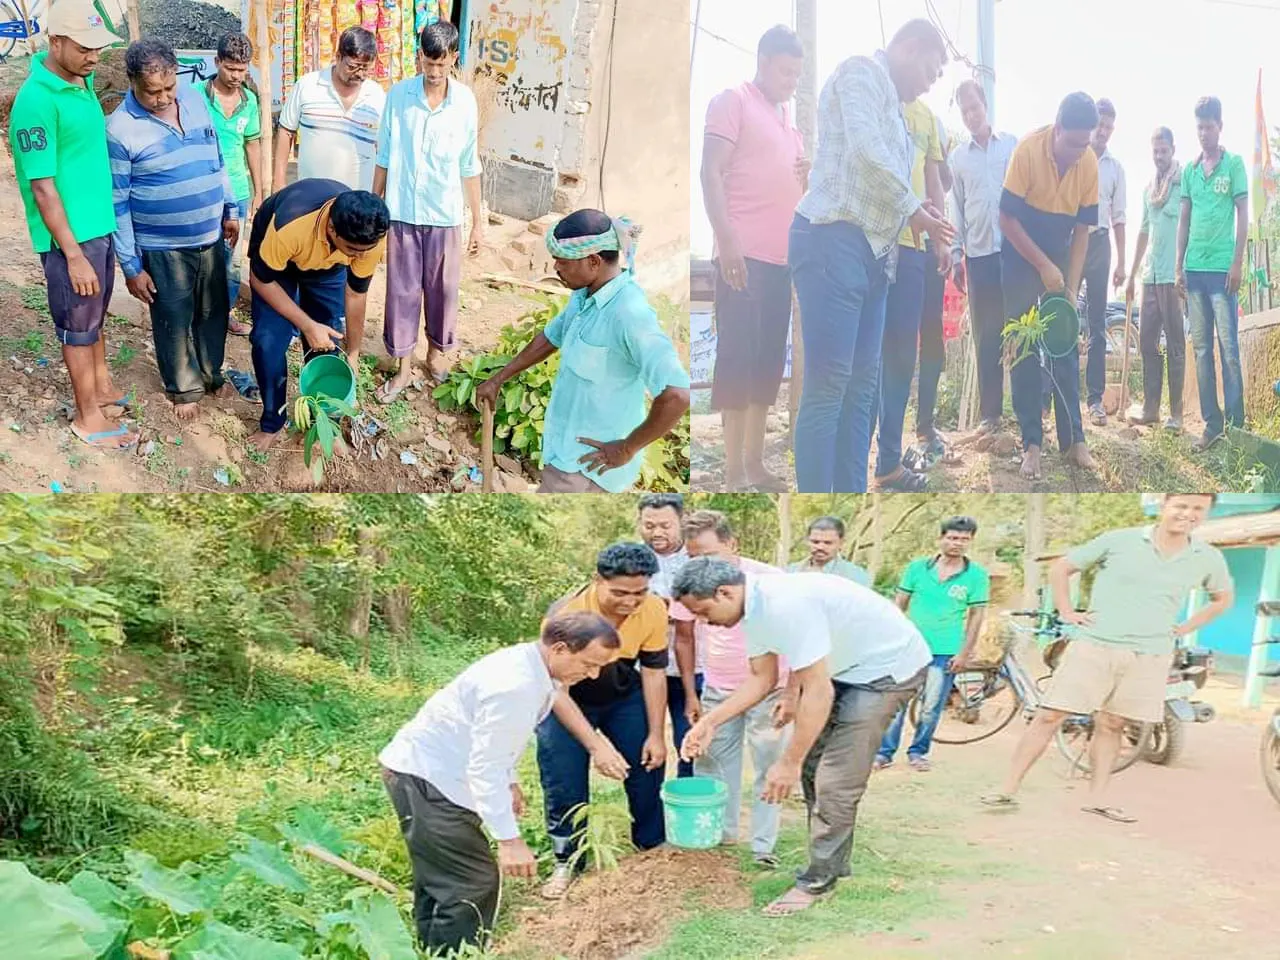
126,402
93,438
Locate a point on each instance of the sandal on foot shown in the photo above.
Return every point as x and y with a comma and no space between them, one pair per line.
1000,800
907,481
385,396
94,439
1111,813
768,861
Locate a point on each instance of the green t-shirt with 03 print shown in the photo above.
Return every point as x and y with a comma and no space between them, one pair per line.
57,130
1211,236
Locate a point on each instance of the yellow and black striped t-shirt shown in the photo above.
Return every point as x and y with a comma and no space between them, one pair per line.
1049,205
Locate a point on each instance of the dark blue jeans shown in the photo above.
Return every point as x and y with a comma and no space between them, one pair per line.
322,296
841,288
1211,311
1027,384
933,354
937,688
679,723
564,767
233,261
903,308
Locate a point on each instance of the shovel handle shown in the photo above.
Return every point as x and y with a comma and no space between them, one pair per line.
486,447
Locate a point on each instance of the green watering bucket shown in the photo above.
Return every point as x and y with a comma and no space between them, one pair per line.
694,811
330,375
1062,325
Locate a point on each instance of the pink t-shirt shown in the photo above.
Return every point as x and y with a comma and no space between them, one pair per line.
725,648
760,183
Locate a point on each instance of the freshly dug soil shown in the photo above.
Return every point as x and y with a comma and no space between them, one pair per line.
187,24
609,915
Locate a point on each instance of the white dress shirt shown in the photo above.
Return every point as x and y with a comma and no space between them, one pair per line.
1112,195
978,173
467,739
864,636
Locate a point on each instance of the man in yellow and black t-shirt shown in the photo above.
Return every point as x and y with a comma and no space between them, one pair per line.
1050,200
312,253
615,721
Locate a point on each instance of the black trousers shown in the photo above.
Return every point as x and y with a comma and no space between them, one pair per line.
986,314
1097,280
455,878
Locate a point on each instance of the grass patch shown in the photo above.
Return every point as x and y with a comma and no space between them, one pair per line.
35,299
124,356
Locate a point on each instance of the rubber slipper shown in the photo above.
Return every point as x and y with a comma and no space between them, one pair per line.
238,328
124,403
1001,800
908,481
93,438
385,396
1111,813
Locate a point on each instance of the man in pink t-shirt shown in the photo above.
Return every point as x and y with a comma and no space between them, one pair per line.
766,726
753,174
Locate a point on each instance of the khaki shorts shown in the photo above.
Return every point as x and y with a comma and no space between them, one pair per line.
555,480
1096,676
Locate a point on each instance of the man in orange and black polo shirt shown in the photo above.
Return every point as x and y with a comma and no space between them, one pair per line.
312,253
616,721
1050,201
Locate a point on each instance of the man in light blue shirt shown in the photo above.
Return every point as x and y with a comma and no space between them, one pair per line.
613,352
426,152
978,168
856,660
826,549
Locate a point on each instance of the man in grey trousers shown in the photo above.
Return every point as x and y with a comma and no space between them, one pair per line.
855,658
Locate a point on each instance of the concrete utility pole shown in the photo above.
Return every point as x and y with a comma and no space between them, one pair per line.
987,53
806,18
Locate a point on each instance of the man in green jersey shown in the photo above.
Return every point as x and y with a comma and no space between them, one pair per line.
945,596
58,138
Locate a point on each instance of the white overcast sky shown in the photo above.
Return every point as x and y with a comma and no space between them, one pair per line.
1152,58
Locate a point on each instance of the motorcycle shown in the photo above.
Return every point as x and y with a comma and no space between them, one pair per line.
1188,673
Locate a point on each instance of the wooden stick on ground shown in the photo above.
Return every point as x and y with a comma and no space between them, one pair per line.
486,448
1124,361
503,279
349,868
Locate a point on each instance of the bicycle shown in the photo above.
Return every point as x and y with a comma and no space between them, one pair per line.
985,700
14,28
1269,752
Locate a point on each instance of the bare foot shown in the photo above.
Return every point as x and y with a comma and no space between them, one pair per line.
262,442
438,367
793,901
1031,463
1080,456
186,411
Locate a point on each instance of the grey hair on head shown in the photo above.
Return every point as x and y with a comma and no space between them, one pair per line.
149,56
703,576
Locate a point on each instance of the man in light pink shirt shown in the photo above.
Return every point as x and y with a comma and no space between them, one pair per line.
753,174
766,726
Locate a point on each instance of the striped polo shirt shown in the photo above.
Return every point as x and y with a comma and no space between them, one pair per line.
334,143
169,185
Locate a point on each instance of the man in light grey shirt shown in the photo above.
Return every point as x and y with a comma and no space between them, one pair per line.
856,660
1097,263
978,168
450,773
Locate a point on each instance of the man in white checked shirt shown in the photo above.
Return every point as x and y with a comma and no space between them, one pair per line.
842,247
1097,263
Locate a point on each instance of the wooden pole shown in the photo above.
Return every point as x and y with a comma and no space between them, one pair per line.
486,448
262,56
132,19
349,868
1124,361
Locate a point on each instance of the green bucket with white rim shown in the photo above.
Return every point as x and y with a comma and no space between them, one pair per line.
328,376
1061,325
693,809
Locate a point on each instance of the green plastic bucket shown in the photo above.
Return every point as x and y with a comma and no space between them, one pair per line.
694,811
1062,325
330,375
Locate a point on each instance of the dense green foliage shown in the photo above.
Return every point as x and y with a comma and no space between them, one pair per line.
206,680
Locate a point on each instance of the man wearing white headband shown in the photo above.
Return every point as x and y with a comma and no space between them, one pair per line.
613,352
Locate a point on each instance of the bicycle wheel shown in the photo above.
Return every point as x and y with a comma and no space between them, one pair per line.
10,17
1075,737
1271,759
981,705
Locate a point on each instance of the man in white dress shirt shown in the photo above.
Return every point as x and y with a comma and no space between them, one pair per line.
855,659
450,772
1097,263
978,168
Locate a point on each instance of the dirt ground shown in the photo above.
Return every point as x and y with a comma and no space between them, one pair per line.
38,451
1128,458
1194,877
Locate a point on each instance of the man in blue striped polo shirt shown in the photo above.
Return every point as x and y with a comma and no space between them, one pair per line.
174,206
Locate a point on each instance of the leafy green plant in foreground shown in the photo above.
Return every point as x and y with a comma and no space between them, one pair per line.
312,417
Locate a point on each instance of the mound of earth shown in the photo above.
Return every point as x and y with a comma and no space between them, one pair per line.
187,24
610,914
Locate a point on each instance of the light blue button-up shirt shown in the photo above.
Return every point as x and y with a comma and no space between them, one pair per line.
427,153
612,352
978,182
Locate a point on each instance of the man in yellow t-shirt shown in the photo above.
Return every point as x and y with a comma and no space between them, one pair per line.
905,306
615,721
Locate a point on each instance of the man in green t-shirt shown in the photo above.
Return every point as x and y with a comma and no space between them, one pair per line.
233,106
826,543
57,135
1213,229
945,596
1116,666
